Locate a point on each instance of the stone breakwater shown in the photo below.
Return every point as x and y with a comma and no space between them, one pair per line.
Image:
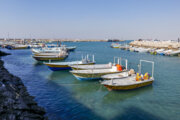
156,44
15,101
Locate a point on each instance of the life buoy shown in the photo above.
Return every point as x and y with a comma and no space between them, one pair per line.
119,67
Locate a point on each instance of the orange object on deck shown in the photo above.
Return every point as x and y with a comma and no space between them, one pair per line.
119,67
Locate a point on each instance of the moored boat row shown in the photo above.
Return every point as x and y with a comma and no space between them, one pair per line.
153,51
115,76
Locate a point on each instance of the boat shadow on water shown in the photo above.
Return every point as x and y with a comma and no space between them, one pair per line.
117,96
37,63
59,75
135,113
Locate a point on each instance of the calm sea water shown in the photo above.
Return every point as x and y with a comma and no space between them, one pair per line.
66,98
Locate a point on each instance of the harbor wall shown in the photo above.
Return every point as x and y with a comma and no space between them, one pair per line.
156,44
62,40
15,101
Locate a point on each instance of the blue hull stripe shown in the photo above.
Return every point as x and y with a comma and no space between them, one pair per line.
59,68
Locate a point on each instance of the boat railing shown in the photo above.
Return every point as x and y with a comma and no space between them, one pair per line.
119,61
147,62
86,58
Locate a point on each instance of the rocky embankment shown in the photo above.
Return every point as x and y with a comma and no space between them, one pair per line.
156,44
15,101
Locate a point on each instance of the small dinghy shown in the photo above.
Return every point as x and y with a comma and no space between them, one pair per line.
130,82
97,73
56,66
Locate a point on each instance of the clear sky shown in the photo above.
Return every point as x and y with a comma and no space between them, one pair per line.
94,19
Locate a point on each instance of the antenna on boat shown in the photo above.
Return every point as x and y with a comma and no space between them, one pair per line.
82,57
120,60
115,59
126,64
93,58
87,56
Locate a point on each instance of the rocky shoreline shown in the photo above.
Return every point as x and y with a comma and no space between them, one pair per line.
156,44
15,101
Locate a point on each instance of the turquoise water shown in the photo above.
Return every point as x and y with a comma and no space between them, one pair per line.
69,99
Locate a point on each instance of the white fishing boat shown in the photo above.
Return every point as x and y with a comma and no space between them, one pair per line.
51,56
52,50
142,50
174,53
97,66
153,51
136,49
131,49
90,67
167,52
160,51
92,74
115,45
130,82
19,46
56,66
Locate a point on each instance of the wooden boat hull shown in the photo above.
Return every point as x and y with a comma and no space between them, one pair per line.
62,67
128,87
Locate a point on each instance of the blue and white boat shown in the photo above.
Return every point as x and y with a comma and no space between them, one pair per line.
57,66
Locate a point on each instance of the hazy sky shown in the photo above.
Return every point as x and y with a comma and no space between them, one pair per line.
95,19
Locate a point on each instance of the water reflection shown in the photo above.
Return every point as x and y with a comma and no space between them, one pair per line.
117,96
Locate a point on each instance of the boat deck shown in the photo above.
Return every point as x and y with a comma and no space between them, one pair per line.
97,66
96,71
116,75
125,82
